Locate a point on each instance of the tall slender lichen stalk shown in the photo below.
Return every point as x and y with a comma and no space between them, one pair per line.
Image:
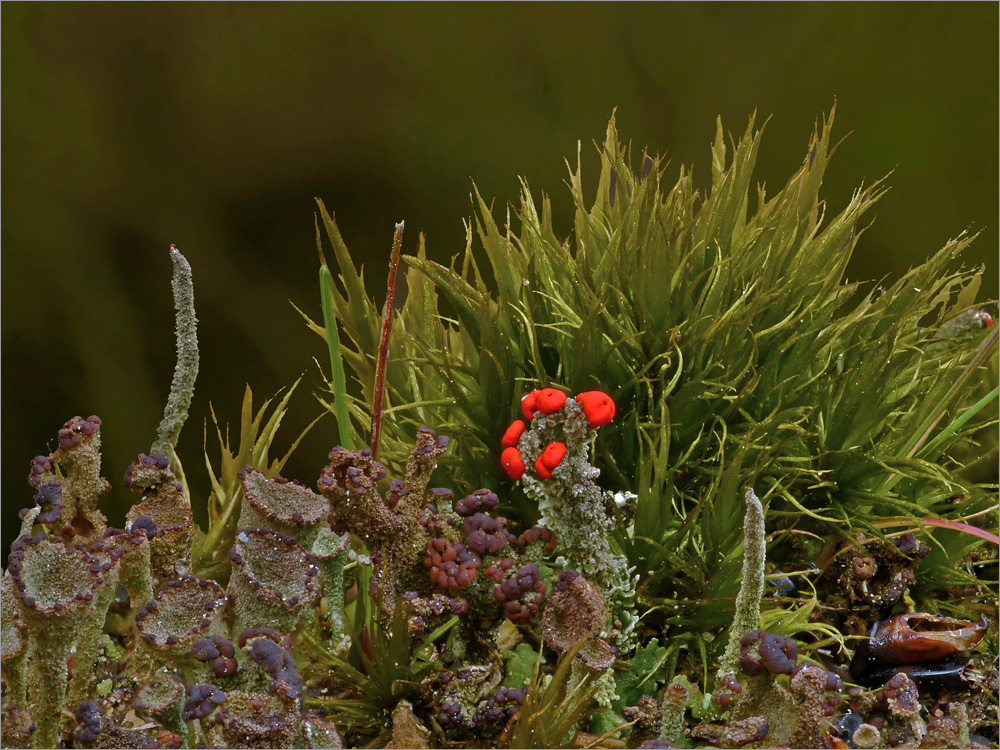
185,371
747,616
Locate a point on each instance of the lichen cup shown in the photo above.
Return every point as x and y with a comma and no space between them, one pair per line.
274,580
183,612
62,597
13,645
281,505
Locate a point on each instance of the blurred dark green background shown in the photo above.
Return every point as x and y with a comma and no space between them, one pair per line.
130,126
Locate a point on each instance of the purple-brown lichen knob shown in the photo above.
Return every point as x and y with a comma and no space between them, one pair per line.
486,535
534,534
450,566
218,650
89,717
202,700
49,500
268,654
521,594
760,650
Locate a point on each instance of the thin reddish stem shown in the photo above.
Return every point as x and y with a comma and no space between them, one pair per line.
383,344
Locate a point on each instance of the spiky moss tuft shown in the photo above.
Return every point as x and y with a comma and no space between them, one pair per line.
737,352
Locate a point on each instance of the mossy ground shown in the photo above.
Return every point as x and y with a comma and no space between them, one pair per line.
737,356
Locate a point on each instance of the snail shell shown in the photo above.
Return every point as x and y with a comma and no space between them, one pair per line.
915,638
918,637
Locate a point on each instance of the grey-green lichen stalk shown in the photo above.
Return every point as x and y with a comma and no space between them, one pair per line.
747,616
186,369
576,508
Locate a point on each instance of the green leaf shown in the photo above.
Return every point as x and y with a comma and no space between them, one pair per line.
646,671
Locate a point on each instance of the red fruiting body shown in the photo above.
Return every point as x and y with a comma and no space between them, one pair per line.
553,454
513,433
498,568
550,459
550,400
529,405
597,407
451,566
512,463
541,469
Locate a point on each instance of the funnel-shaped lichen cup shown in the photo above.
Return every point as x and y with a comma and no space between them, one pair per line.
13,644
251,719
274,580
184,611
331,551
62,597
281,505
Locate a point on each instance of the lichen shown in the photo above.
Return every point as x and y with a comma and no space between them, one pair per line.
561,480
332,552
186,369
386,612
164,513
68,503
273,583
63,595
747,614
281,505
13,645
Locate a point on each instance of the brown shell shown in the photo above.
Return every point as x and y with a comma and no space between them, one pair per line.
918,637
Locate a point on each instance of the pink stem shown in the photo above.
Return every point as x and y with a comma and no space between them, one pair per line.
383,344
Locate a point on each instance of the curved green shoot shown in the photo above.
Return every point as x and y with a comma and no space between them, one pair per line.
960,421
337,377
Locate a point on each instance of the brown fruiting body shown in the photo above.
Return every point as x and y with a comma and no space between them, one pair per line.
390,528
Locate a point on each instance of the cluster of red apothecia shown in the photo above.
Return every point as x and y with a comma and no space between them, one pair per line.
453,566
597,407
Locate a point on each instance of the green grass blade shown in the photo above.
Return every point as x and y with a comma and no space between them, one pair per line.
336,361
960,422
